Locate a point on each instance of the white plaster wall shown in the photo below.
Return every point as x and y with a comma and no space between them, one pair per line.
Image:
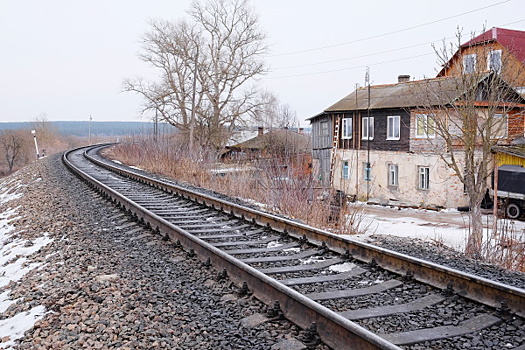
445,189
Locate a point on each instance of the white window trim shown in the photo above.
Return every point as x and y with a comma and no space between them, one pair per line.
396,119
425,127
393,175
370,124
421,171
465,60
489,56
345,122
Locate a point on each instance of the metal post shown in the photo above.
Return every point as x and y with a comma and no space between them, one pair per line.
369,167
36,144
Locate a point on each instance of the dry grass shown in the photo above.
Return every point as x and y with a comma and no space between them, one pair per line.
505,246
268,183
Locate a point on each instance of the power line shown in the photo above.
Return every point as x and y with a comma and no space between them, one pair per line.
390,33
349,68
362,56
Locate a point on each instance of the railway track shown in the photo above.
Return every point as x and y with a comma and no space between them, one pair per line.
347,294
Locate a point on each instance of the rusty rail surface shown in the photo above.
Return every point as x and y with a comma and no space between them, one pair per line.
335,330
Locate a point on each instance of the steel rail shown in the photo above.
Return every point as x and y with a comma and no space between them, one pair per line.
467,285
333,329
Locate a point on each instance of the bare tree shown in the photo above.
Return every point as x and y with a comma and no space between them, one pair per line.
11,145
271,113
469,113
206,68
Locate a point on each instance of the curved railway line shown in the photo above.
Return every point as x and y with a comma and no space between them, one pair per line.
325,284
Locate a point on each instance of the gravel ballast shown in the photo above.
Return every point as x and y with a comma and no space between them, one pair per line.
107,283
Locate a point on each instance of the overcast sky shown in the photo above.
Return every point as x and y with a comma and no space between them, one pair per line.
67,59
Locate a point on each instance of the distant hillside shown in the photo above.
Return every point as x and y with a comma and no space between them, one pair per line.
97,128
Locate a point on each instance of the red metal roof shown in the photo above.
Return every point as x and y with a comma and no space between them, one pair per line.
513,40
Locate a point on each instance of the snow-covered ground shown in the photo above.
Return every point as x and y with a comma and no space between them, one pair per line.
14,264
449,227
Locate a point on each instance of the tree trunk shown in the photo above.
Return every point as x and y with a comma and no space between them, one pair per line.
475,238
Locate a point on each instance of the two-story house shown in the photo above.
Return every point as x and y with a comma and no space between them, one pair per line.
381,142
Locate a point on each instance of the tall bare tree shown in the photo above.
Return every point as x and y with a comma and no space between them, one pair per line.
207,68
469,113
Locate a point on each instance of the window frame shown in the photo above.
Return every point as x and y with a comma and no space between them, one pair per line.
345,170
367,124
391,122
469,63
490,56
424,178
367,171
323,128
393,175
426,127
347,128
504,119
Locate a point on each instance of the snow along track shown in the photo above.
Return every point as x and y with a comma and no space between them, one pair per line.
294,264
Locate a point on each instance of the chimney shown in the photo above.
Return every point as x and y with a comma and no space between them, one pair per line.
260,131
404,78
301,130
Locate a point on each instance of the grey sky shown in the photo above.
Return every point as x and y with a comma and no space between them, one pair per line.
67,59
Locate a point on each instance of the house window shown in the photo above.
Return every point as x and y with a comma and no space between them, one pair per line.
323,128
368,128
494,61
347,128
499,126
393,175
425,126
345,173
469,63
424,175
393,124
367,172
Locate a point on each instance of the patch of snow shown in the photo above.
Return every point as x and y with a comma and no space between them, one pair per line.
292,250
116,161
274,244
134,167
312,260
14,264
14,328
344,267
5,302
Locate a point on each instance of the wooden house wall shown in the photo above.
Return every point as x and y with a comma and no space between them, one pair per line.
504,158
321,141
380,142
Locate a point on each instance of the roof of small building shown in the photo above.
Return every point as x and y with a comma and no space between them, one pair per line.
421,93
518,150
277,138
